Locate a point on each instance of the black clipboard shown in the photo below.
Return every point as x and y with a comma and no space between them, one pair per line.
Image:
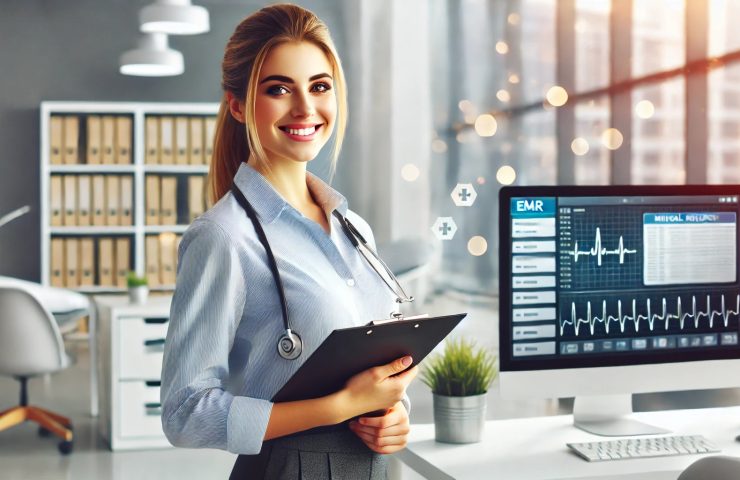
348,351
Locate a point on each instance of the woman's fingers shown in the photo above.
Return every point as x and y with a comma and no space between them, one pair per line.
395,430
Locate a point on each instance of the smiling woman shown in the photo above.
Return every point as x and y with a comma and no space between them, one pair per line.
226,353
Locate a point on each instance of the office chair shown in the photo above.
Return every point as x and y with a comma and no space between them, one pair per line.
715,467
31,345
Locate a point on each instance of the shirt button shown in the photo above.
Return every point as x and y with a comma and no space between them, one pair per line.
351,282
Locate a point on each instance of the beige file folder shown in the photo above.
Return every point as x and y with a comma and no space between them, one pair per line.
87,262
56,201
168,202
196,141
112,200
152,260
56,139
167,258
152,200
83,201
196,205
123,140
94,138
210,132
127,202
151,140
106,274
123,264
108,139
69,218
71,139
57,272
71,263
98,200
181,141
166,139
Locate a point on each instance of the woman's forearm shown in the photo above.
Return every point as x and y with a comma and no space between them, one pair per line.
293,417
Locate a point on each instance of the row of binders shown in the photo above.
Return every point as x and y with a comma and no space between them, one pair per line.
106,139
160,253
179,140
91,200
161,199
86,262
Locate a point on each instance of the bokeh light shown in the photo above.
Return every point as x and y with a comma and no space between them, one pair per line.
485,125
557,96
477,246
612,138
644,109
502,47
506,175
410,172
503,95
579,146
439,145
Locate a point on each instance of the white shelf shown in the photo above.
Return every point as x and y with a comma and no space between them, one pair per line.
102,230
92,168
176,168
149,229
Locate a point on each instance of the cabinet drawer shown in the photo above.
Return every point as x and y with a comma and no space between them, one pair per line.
140,347
139,409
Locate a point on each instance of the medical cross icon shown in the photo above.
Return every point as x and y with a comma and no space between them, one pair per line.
464,194
444,228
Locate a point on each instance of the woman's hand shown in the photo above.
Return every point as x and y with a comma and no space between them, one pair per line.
377,388
386,434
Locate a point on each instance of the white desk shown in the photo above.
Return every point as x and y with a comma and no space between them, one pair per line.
534,449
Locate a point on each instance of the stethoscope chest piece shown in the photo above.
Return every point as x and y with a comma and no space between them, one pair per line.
290,345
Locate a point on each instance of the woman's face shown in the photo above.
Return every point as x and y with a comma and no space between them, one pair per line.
295,106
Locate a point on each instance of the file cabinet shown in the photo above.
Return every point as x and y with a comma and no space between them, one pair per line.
131,344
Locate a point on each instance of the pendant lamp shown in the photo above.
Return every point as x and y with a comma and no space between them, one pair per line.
174,17
152,58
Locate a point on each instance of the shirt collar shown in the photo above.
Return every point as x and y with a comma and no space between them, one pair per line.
268,203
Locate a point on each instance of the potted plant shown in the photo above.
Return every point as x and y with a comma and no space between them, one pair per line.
138,289
459,379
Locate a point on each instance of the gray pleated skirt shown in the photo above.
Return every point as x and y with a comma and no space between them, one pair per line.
335,454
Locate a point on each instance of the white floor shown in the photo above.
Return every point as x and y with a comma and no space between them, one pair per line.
24,455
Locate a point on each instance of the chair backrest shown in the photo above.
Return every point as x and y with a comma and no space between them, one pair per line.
710,468
30,342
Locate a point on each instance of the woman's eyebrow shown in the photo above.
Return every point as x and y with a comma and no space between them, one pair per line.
284,79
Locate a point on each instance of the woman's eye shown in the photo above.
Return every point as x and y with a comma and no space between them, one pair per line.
321,87
277,90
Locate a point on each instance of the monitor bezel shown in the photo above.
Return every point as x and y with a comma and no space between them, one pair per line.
507,362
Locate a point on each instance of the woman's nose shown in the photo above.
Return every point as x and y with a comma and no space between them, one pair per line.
303,106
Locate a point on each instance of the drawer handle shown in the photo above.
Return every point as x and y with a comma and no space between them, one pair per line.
154,342
153,383
156,320
153,409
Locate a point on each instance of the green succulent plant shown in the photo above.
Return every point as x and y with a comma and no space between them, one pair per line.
462,370
133,280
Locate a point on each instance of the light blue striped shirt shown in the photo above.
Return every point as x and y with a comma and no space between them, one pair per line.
221,364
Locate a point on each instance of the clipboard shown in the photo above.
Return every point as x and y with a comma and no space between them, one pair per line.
348,351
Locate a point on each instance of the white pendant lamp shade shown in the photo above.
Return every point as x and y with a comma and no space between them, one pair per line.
174,17
153,58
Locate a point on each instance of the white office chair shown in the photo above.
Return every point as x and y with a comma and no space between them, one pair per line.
31,345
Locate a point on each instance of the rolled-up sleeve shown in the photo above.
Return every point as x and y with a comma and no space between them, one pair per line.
209,299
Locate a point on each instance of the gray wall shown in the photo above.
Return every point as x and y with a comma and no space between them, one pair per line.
68,50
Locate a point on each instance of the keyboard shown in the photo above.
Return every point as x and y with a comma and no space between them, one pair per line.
643,447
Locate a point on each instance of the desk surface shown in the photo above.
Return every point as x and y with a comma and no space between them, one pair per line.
534,448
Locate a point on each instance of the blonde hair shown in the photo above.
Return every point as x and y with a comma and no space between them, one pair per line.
245,53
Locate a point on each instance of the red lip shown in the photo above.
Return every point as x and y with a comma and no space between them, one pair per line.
301,138
298,126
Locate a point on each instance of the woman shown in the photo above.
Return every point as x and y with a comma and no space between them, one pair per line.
284,95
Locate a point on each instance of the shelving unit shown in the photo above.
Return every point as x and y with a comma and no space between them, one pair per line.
138,169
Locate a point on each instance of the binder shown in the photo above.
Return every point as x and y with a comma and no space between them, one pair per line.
152,200
210,132
71,139
57,272
108,155
105,262
166,137
71,261
98,200
167,258
196,141
69,217
56,139
127,200
168,201
348,351
151,251
123,140
94,137
181,141
56,201
112,199
83,201
87,262
196,205
123,264
151,140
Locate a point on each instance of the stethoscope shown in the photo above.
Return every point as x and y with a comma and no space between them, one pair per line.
290,345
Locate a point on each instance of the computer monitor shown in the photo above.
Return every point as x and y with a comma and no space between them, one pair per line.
614,290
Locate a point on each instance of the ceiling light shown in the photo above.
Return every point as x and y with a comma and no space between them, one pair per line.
153,58
174,17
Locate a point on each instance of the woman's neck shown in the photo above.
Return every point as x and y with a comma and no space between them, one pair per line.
289,179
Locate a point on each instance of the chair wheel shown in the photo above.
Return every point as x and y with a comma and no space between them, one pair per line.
65,447
44,432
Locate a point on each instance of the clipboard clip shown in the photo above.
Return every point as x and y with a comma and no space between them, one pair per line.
395,317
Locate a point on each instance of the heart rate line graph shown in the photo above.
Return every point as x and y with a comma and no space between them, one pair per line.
663,317
599,251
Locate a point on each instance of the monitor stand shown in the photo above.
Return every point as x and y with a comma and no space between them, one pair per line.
606,415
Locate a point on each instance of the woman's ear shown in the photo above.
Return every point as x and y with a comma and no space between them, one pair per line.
235,107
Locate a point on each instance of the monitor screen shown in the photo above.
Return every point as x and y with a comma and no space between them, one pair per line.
611,276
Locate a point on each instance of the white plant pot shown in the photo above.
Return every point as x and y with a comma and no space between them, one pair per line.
138,295
459,419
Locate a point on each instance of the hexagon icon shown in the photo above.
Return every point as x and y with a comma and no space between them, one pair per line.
464,194
444,228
